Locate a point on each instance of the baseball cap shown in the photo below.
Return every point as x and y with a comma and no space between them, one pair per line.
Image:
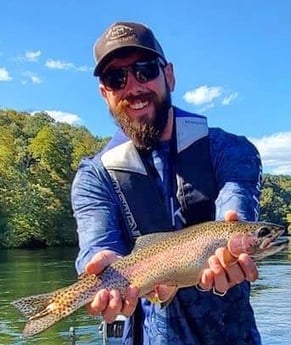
122,35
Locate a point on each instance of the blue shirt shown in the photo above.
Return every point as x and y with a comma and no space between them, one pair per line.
194,317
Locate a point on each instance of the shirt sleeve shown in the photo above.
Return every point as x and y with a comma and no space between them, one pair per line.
238,172
97,214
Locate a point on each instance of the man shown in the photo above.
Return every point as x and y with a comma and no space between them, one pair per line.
163,170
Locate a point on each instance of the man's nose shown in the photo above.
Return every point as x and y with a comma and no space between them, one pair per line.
132,83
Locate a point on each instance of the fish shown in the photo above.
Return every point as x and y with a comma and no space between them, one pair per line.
173,259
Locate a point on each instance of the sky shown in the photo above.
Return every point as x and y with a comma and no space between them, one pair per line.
232,63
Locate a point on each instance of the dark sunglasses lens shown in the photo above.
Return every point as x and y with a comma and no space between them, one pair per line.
114,79
146,71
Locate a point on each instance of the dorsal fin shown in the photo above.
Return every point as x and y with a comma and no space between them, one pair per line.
149,239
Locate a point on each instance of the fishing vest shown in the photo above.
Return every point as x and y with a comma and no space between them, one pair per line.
142,207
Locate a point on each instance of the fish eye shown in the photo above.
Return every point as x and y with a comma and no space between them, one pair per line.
264,231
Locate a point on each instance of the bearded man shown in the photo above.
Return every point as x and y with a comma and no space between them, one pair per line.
162,171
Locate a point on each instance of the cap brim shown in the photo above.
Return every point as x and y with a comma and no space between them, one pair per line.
105,59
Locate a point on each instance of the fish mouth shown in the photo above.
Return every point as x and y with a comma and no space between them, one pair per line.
271,245
274,240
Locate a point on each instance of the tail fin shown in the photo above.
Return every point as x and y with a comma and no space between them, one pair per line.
40,311
29,306
43,311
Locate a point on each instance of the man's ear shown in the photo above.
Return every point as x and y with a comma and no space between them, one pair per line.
170,77
103,92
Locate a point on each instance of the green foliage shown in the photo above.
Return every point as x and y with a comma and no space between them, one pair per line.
276,200
38,159
51,150
7,150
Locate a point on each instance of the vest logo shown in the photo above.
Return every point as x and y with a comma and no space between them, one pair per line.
130,221
178,213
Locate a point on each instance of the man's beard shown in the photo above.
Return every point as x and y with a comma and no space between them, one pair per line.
144,132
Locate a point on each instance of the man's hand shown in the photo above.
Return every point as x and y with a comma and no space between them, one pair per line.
109,303
225,271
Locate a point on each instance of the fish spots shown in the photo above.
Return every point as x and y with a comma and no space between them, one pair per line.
174,259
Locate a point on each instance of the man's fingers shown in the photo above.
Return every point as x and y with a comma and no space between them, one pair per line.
233,270
225,257
215,265
238,269
94,268
207,280
110,304
221,284
100,260
230,216
130,302
248,267
220,279
114,306
99,303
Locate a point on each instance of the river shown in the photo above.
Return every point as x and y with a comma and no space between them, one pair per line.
24,272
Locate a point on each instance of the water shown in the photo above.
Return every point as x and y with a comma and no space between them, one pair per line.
24,272
271,299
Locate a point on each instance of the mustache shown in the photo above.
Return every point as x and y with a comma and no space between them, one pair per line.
145,96
130,99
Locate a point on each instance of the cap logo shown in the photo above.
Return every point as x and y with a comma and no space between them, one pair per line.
120,33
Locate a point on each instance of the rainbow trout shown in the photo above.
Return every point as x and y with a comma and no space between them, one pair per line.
173,259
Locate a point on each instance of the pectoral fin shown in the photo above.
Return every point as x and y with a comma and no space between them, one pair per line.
163,294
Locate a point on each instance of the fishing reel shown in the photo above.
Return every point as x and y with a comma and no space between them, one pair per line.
112,332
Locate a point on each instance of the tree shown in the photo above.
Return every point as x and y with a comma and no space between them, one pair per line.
276,199
52,151
38,159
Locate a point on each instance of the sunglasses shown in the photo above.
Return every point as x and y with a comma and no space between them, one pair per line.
116,78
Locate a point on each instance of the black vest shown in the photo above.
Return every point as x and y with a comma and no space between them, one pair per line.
143,209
